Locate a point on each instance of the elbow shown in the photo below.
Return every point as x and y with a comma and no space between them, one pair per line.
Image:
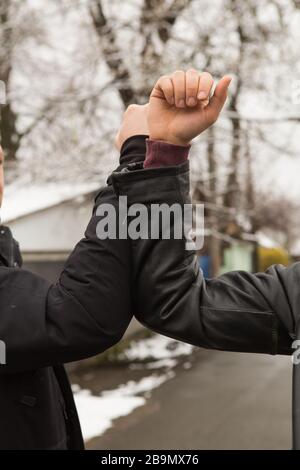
115,338
115,335
151,323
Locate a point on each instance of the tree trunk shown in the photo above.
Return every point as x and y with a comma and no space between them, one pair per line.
9,136
10,139
112,54
232,196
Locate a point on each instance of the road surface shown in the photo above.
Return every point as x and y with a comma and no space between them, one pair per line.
224,401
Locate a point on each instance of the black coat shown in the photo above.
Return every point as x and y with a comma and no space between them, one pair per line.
45,325
37,407
237,311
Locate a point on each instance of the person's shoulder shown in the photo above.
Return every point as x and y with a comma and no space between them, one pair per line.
10,254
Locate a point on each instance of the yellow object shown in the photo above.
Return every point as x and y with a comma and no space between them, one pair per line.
268,256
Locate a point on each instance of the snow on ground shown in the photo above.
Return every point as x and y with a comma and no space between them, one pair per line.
97,413
157,347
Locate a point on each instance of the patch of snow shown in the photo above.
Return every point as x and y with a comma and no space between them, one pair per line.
157,347
96,413
168,363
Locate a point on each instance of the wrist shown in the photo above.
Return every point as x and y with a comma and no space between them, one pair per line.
133,150
162,153
171,140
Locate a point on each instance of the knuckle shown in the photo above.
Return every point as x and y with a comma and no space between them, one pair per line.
206,75
130,108
192,71
178,73
166,84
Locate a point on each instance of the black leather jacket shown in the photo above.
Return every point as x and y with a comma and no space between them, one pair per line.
237,311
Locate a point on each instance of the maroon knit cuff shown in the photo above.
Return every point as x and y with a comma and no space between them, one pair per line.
160,153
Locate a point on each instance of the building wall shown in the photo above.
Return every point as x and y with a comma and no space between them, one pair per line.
56,229
238,256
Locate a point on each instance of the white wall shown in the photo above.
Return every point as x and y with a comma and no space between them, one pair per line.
58,228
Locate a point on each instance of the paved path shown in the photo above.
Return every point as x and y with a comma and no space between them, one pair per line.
225,401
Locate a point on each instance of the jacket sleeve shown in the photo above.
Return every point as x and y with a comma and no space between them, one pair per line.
238,311
86,312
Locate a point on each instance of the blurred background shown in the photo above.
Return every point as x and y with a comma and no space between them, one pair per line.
70,69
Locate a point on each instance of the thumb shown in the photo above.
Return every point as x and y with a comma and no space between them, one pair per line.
218,100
